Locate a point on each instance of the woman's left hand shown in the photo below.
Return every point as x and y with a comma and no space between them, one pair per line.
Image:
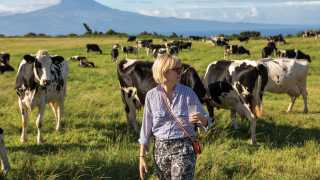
198,118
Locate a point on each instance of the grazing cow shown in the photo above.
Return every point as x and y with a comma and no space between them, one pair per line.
5,165
240,85
131,38
293,54
219,41
234,49
243,38
277,38
135,77
4,62
195,38
41,80
114,53
77,58
84,62
287,76
129,50
154,47
93,48
144,43
269,49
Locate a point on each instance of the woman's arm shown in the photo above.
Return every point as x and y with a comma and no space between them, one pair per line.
142,164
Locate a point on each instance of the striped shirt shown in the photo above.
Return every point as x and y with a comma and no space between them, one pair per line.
158,121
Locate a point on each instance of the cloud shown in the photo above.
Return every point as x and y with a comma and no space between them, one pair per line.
21,6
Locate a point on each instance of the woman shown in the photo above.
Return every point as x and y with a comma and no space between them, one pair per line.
174,154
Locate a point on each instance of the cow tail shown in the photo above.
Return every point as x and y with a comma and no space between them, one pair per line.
257,99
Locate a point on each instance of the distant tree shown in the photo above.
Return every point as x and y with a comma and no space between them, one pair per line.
30,34
111,32
88,29
72,35
2,35
173,35
252,34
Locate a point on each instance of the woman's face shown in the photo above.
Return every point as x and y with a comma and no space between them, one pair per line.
173,75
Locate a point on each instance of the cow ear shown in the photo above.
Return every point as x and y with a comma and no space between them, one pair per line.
29,59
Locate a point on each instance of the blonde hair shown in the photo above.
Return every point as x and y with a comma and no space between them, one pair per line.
162,64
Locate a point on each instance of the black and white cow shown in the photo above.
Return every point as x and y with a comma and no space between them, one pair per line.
234,49
130,50
4,62
144,43
135,77
41,80
131,38
93,48
277,38
243,38
294,54
5,165
219,41
241,85
287,76
114,53
84,62
269,49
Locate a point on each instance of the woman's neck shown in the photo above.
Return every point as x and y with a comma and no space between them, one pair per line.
168,88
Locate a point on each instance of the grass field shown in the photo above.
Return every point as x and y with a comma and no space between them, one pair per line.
94,142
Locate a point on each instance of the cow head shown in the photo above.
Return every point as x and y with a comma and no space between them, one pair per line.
42,68
190,77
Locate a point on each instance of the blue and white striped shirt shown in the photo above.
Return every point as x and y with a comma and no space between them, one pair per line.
158,121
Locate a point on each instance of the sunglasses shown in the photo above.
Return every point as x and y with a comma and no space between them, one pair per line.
177,70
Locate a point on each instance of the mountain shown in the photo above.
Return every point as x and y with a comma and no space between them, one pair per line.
68,16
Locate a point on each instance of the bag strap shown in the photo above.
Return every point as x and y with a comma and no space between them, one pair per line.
166,102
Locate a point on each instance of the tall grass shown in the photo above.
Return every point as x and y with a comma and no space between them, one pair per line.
94,142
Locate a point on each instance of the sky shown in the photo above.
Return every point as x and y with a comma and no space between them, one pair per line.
251,11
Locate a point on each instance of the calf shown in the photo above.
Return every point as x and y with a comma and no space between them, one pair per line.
234,49
135,77
5,165
293,53
41,80
93,48
287,76
241,85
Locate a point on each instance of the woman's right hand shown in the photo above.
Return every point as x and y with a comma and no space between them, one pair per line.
142,168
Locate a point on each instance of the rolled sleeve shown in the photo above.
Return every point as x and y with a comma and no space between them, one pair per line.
146,128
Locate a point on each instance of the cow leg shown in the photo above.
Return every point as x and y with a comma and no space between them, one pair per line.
234,119
305,100
60,109
253,131
293,99
4,157
39,123
54,110
24,124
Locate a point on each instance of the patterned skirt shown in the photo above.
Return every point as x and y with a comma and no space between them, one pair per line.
175,159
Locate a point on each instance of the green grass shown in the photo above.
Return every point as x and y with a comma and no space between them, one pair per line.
94,142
